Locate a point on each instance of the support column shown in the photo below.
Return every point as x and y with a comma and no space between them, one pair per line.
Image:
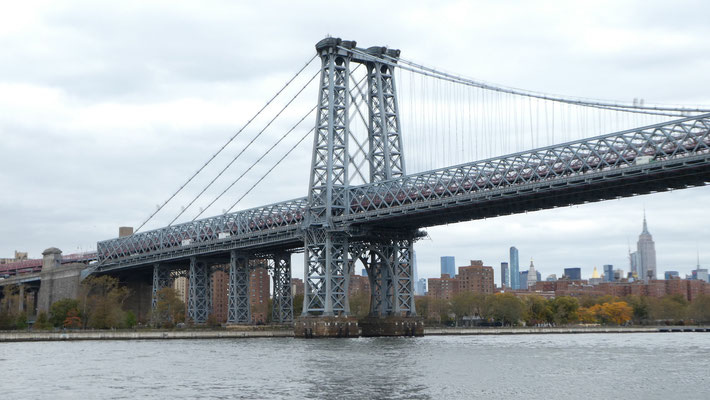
161,280
386,155
282,311
21,299
403,298
239,307
199,303
392,309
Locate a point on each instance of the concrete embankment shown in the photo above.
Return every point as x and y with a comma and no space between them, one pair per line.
36,336
139,335
558,330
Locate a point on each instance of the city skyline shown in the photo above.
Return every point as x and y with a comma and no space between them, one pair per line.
588,267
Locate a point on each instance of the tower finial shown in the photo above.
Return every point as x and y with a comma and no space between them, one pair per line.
645,225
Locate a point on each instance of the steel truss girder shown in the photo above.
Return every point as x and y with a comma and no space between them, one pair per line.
282,311
199,302
662,142
386,156
239,301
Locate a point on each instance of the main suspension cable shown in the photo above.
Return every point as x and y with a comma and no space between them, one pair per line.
256,162
269,171
245,148
226,144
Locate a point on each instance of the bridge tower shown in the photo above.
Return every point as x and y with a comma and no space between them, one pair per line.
330,249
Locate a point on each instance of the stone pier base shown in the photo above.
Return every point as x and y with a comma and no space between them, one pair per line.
392,326
323,327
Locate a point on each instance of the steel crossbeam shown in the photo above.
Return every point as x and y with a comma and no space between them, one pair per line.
239,302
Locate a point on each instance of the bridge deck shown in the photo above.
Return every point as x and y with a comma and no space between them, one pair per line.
654,158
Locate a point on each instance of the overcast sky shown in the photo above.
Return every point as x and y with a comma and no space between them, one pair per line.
106,108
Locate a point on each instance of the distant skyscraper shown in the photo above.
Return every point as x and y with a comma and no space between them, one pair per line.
532,276
668,275
700,274
573,274
421,287
523,280
415,273
364,272
504,275
514,269
448,266
634,263
551,278
646,254
608,273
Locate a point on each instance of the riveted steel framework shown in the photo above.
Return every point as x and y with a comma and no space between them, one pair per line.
389,269
386,156
161,279
282,311
239,301
199,302
326,250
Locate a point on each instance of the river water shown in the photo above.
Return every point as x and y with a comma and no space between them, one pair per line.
593,366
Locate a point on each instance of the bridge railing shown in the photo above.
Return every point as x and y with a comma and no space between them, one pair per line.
220,227
679,138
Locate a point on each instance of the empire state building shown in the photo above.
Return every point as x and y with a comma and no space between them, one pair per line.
646,253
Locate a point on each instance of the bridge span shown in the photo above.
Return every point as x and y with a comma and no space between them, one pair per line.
378,222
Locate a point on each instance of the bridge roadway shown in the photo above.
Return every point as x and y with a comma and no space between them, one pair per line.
660,157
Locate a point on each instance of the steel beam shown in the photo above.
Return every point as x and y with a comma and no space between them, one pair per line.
199,303
282,311
239,304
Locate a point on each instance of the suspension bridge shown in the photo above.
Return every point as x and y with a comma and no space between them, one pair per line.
473,150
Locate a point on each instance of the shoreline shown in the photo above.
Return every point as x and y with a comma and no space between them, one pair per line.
24,336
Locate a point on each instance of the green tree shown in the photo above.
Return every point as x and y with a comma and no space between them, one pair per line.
42,322
421,304
640,307
130,319
670,308
537,311
169,309
297,304
505,308
59,310
564,310
700,309
101,301
360,304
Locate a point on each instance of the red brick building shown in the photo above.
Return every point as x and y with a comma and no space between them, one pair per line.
476,278
220,295
259,290
443,288
297,287
359,285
